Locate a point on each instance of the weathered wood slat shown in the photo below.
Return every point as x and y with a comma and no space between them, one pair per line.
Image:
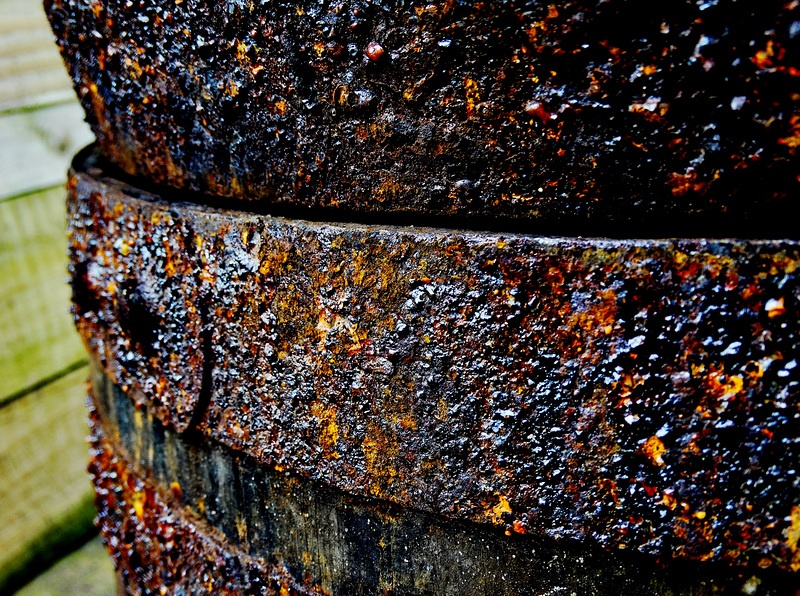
16,42
35,90
36,334
36,147
19,15
45,496
35,59
31,71
86,572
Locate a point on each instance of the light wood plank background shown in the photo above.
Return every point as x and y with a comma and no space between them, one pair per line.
36,146
37,339
46,495
45,492
31,73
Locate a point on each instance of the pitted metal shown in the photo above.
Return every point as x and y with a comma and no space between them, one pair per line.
634,394
681,116
191,516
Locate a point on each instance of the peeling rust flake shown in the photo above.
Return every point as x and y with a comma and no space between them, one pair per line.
638,395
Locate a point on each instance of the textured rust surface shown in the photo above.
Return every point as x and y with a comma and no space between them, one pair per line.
316,538
160,548
638,395
146,317
616,112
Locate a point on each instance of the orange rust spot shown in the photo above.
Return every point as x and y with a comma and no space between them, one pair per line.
442,410
793,140
374,51
775,307
241,50
97,9
134,66
761,59
793,537
169,266
473,96
518,526
138,501
323,327
668,500
241,527
725,386
680,184
496,513
600,317
408,422
328,429
651,108
654,449
535,108
380,453
389,190
764,58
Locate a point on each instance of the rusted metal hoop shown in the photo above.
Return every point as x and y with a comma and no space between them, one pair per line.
552,117
634,394
187,516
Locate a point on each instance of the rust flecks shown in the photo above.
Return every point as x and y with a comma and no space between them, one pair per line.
550,118
588,382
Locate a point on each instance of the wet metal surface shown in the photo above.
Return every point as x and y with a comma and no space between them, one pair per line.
638,395
170,504
619,113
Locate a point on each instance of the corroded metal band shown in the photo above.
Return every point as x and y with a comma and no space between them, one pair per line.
191,517
552,113
634,394
157,545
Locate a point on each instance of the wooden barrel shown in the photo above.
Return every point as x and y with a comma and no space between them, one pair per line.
291,406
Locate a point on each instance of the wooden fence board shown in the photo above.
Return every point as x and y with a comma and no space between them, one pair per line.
36,147
31,71
45,495
37,338
86,572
